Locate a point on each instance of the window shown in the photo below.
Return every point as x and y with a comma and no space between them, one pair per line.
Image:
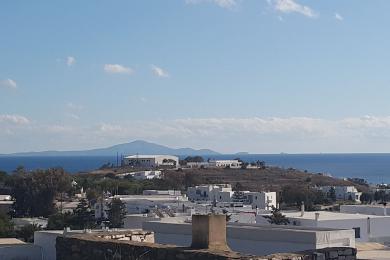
357,232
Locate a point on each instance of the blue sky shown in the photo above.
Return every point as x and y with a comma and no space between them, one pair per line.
263,76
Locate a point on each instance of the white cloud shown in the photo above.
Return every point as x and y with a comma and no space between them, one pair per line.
14,119
110,128
252,134
338,16
73,106
291,6
159,72
117,69
8,83
73,116
73,110
70,61
222,3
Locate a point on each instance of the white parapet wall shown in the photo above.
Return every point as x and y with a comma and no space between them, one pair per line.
367,228
257,239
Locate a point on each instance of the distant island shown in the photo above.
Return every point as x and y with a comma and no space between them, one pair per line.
135,147
242,153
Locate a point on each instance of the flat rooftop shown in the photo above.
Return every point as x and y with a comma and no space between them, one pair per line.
150,197
328,215
10,241
365,206
313,236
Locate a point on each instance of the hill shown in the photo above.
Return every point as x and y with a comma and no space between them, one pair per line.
139,146
270,178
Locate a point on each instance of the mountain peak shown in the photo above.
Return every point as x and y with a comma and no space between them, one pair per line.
133,147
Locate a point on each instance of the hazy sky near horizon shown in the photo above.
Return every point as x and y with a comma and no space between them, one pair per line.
263,76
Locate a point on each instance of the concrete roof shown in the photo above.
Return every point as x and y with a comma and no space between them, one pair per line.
5,197
365,206
256,232
6,202
149,197
373,251
10,241
328,215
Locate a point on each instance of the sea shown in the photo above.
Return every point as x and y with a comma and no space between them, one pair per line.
375,168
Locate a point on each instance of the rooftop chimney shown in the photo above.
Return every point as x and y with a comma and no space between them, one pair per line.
209,232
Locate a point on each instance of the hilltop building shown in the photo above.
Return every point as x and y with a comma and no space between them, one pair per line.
150,161
215,164
343,192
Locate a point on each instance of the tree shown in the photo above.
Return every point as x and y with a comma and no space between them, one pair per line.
260,164
92,196
3,176
170,161
380,196
293,195
59,221
237,186
83,216
366,197
194,159
27,232
116,213
277,217
34,192
238,196
6,226
244,165
332,194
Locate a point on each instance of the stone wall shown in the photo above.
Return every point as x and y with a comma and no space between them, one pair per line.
96,246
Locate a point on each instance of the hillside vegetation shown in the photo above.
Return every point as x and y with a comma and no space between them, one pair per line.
269,178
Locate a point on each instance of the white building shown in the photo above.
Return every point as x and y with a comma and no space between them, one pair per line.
212,192
378,210
162,192
225,163
12,248
223,193
142,175
198,164
261,200
150,161
343,192
367,228
256,239
163,203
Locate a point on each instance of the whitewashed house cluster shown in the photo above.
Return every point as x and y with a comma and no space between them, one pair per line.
142,175
223,193
343,192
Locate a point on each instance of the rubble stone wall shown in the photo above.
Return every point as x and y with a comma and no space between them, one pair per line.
122,246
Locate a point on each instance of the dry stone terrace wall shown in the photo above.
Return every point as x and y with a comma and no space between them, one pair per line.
126,246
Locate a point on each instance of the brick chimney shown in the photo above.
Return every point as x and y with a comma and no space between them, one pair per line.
209,232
